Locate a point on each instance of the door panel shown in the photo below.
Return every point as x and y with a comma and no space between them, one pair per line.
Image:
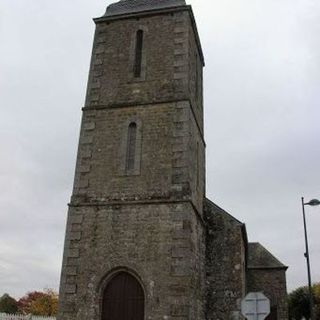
123,299
273,313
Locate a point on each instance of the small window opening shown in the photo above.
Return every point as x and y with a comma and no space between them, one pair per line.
138,54
197,165
131,146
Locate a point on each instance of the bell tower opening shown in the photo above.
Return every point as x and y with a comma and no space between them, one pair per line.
138,54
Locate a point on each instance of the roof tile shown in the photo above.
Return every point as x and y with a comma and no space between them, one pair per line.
133,6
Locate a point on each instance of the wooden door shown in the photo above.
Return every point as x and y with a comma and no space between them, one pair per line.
123,299
273,313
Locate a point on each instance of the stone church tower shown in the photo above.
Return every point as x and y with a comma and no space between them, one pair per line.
135,220
142,241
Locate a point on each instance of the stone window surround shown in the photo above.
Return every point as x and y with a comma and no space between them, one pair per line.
136,170
131,146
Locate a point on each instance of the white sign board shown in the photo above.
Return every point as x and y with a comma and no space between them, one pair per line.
255,306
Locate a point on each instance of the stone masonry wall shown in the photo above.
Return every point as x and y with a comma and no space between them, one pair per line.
225,265
172,149
171,166
159,243
165,74
272,282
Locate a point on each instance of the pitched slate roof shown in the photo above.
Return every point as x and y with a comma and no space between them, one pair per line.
132,6
260,258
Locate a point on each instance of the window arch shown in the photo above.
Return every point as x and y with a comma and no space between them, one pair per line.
138,54
123,298
131,146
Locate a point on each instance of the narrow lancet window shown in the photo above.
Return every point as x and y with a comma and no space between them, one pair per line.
197,165
131,146
138,54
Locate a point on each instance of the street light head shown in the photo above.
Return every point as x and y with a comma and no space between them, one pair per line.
313,202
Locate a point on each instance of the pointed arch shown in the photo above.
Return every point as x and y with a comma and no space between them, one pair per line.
123,298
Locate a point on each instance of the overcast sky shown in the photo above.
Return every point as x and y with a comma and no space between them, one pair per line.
262,115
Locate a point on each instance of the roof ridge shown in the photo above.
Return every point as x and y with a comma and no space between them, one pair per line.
133,6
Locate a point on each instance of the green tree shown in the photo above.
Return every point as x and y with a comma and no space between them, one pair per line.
298,301
8,304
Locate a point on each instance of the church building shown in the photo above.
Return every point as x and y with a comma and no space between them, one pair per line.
142,240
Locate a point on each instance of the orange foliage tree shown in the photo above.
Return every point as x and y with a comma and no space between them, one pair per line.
39,303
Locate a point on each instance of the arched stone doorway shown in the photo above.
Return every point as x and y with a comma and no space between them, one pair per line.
123,298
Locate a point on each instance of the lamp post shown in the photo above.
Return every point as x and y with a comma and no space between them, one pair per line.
313,202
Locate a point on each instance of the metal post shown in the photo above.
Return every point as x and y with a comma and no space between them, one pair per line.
308,261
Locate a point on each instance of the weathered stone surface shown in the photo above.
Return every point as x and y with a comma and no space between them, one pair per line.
139,237
225,263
